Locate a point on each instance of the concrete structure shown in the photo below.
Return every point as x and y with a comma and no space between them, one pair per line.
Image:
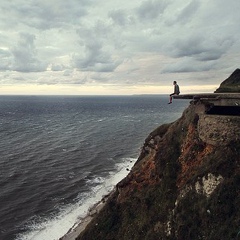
217,99
219,117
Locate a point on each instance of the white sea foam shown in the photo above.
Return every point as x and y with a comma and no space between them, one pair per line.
57,226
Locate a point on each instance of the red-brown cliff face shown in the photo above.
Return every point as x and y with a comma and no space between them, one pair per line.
181,187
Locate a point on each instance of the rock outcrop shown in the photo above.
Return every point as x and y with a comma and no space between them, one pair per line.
231,84
185,184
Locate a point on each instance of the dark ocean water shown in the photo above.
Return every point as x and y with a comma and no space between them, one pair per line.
59,155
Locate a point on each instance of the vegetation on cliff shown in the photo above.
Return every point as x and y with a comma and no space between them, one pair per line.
231,84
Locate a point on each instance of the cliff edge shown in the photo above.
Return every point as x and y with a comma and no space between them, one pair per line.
184,185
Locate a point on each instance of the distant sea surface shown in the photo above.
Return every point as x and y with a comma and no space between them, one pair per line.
59,155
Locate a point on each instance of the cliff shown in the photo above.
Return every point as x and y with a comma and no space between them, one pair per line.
184,185
231,84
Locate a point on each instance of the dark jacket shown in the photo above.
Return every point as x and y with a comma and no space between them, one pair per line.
176,89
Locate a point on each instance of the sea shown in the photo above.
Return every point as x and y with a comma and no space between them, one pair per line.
59,155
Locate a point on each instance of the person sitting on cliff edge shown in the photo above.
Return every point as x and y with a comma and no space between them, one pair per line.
176,91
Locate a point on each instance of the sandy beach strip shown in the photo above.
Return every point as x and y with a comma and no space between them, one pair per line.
74,232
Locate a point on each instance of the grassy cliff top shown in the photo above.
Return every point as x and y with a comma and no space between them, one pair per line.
231,84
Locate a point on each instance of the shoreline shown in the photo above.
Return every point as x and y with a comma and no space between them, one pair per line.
82,222
78,227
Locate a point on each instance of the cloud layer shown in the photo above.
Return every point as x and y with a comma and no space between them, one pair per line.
120,43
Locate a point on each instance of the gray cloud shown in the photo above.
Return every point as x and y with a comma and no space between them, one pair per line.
67,72
95,60
200,47
151,9
188,65
188,12
25,55
118,16
57,67
94,54
192,46
46,14
97,48
102,41
5,61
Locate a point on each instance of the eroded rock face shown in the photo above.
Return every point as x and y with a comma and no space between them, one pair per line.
219,130
207,185
182,187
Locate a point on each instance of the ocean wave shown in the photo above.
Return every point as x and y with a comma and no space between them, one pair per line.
57,225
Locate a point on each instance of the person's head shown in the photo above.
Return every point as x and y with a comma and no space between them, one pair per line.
174,82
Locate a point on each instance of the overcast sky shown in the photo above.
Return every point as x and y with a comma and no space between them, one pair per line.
117,46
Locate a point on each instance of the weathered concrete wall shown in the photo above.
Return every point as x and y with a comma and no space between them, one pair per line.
226,102
219,130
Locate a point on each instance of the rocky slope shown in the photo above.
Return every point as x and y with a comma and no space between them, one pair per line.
181,187
184,185
231,84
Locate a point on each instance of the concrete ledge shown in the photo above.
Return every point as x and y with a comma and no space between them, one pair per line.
217,99
212,96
